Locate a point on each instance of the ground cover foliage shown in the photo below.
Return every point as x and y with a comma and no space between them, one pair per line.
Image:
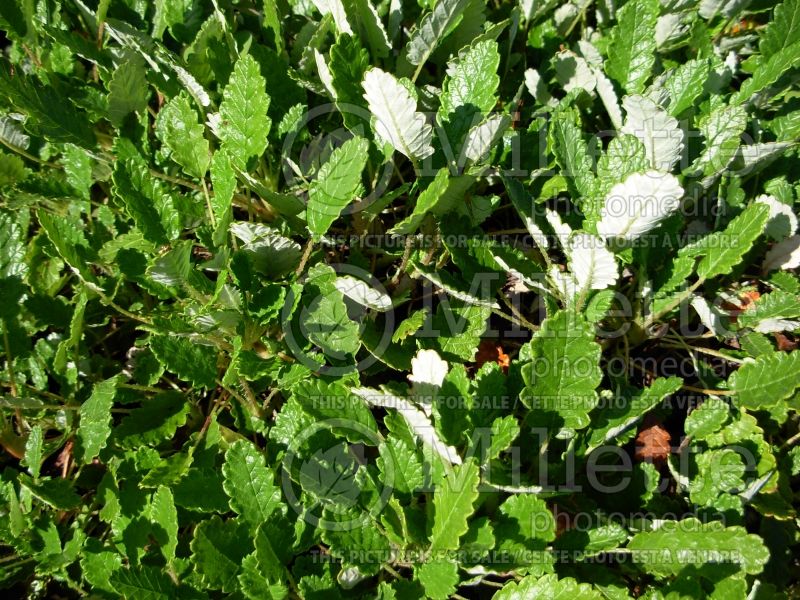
408,299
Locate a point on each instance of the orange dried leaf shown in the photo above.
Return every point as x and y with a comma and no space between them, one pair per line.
652,443
489,351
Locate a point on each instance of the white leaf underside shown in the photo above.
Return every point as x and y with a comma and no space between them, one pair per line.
785,255
782,220
573,72
638,204
419,424
710,317
324,74
605,89
397,121
658,131
428,371
336,9
427,367
561,229
363,293
537,87
483,137
592,264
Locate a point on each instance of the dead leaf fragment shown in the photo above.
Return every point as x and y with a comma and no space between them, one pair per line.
652,442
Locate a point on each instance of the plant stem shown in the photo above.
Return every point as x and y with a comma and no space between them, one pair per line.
28,155
208,206
519,315
9,360
676,302
690,388
175,180
791,441
406,256
708,351
305,257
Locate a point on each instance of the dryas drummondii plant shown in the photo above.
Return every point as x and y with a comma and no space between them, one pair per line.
398,300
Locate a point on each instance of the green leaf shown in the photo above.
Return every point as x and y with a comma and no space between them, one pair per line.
98,566
327,401
243,112
612,424
400,465
337,183
328,325
254,585
410,325
178,128
143,583
531,517
459,327
218,548
272,23
128,90
190,361
453,501
783,28
156,420
775,305
768,73
271,253
719,471
173,268
367,23
767,380
78,167
594,540
68,344
58,493
95,420
625,155
145,200
330,474
223,180
50,112
572,154
633,44
68,240
469,90
274,542
677,544
364,547
725,249
165,517
438,577
707,418
548,586
685,85
432,28
249,483
13,18
33,451
426,202
504,431
721,130
12,245
564,372
348,63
